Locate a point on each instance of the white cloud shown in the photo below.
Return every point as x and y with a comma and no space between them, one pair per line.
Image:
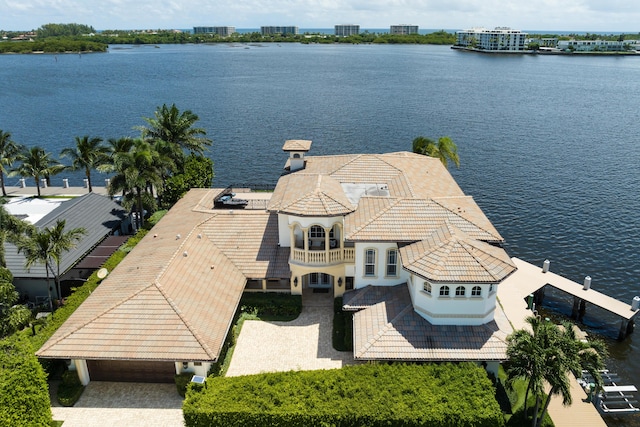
576,15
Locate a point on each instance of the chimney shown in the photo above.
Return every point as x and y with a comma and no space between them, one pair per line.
296,148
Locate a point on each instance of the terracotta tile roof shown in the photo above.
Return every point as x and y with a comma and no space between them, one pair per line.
448,255
389,329
173,298
310,195
296,145
410,220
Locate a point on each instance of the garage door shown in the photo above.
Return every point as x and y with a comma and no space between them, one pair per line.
131,371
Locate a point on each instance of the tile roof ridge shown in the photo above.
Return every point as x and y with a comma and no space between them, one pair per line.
466,245
386,328
392,204
400,171
186,322
458,214
94,318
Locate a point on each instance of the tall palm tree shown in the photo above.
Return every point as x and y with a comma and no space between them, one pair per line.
62,241
176,128
136,171
9,151
37,163
445,149
37,249
548,354
88,154
569,357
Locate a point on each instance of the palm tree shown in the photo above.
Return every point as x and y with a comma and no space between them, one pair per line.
62,241
569,357
548,354
136,171
9,151
37,248
37,163
176,128
445,149
88,154
525,356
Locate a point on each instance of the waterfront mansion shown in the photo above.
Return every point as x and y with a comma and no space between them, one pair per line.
412,256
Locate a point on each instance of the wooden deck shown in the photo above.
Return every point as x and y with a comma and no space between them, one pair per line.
529,278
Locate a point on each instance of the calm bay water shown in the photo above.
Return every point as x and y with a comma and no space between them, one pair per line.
549,145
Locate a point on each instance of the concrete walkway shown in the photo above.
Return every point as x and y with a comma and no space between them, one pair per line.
105,404
302,344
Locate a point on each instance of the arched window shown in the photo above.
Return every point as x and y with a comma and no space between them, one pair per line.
460,291
316,231
427,287
491,288
296,155
476,291
444,291
370,262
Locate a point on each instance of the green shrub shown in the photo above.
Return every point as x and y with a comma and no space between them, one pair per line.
70,389
443,395
24,394
182,382
272,304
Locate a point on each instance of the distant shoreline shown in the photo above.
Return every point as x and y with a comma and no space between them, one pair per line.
538,52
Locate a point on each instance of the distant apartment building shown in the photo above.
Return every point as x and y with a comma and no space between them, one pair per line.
403,29
266,31
220,31
500,39
346,30
599,45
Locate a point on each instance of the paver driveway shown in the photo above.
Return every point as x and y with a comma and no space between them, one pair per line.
105,404
302,344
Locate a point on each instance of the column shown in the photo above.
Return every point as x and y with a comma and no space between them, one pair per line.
82,370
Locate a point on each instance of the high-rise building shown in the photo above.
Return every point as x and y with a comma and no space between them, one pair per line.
221,31
278,30
499,39
403,29
345,30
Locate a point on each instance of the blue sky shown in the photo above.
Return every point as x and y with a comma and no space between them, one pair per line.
566,15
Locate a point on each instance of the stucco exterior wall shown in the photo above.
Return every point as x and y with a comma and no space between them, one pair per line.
452,309
379,278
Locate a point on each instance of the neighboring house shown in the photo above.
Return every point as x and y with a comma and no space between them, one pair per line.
98,215
599,45
500,39
392,233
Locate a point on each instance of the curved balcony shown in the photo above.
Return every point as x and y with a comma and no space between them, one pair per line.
320,257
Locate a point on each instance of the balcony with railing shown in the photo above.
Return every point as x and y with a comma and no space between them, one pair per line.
323,257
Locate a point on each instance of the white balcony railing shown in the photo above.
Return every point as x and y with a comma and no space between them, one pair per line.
333,256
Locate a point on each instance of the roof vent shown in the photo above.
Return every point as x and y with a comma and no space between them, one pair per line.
178,236
199,236
184,254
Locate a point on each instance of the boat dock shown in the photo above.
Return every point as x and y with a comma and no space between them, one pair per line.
614,399
531,280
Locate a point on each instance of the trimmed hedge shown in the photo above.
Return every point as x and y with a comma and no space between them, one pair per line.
445,395
70,389
271,304
24,394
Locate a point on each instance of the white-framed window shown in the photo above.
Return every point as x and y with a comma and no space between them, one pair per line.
370,262
476,291
461,291
316,232
392,263
444,291
427,287
491,288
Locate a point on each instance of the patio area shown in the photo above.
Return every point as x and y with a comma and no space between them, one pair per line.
302,344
